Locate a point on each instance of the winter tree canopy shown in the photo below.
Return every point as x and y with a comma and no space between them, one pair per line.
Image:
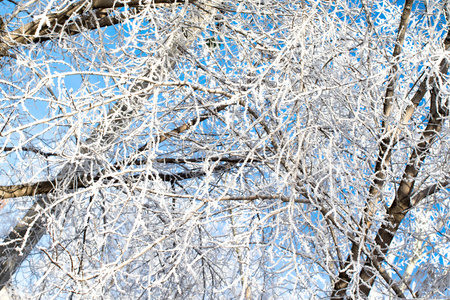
208,149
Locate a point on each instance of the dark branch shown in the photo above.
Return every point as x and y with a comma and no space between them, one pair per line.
29,149
428,191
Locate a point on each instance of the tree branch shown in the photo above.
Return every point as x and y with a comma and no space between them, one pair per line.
185,126
402,202
387,278
384,155
55,23
428,191
30,149
383,158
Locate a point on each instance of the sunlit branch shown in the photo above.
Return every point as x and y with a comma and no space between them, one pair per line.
388,98
384,154
385,145
387,278
428,191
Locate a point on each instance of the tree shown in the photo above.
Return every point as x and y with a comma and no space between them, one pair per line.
211,149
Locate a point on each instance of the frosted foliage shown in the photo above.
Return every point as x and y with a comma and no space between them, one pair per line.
224,149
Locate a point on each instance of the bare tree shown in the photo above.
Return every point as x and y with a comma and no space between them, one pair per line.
220,149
